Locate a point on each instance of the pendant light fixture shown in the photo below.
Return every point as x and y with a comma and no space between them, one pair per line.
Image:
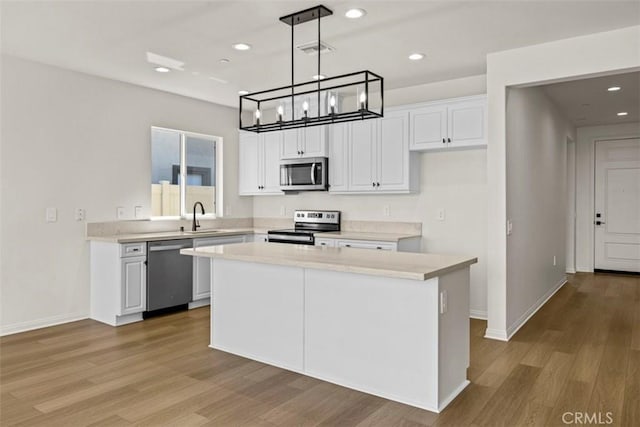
332,99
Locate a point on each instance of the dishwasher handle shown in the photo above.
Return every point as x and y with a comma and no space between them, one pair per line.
167,248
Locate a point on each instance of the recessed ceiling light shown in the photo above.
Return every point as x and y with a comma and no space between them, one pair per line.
622,113
241,46
319,76
162,69
243,92
614,88
355,13
224,60
416,56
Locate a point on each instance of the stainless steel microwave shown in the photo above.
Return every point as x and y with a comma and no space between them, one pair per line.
304,174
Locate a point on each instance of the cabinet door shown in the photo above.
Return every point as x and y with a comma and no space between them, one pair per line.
248,161
314,141
428,128
290,146
270,164
393,154
325,242
467,123
363,156
133,285
338,157
202,265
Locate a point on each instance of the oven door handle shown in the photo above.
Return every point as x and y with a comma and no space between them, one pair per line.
313,173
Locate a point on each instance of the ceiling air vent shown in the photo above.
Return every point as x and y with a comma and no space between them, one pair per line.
311,48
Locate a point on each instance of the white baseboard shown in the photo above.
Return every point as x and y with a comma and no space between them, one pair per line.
14,328
478,314
570,271
199,303
496,334
515,326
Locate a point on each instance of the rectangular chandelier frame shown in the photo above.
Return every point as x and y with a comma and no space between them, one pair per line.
365,87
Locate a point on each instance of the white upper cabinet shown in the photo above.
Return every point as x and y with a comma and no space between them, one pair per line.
449,124
304,142
372,156
259,163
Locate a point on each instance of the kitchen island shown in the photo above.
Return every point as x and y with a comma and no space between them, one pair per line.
392,324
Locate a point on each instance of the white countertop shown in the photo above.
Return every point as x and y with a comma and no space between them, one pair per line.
172,235
405,265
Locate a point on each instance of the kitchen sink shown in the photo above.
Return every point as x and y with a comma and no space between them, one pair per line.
203,231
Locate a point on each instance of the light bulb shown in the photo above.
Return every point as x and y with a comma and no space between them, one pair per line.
305,106
257,114
363,97
332,101
280,110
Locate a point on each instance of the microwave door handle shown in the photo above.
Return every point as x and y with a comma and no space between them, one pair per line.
313,173
289,176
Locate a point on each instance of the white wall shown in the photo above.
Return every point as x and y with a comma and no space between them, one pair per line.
70,140
590,55
586,137
536,200
455,181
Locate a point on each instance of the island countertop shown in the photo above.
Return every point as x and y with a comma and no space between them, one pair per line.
404,265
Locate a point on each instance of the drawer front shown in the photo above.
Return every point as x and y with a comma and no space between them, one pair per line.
133,249
326,242
361,244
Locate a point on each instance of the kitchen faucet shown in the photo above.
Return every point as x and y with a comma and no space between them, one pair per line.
196,224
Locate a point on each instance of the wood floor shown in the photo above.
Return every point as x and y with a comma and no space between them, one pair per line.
580,354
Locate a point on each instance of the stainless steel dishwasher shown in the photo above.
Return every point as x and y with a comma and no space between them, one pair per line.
169,275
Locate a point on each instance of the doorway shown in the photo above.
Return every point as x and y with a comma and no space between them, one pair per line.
617,205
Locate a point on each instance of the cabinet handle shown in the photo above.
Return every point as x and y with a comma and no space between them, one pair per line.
448,139
378,247
347,246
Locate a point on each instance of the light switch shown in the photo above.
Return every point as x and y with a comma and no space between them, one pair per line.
51,215
137,212
120,212
443,302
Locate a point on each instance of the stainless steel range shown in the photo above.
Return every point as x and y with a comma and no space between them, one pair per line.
306,225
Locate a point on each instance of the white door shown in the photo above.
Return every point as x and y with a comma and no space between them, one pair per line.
271,162
393,154
428,128
248,182
315,141
338,156
467,123
290,148
362,156
617,205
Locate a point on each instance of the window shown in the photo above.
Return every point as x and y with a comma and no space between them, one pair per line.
186,168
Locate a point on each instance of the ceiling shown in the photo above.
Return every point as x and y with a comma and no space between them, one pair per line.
111,38
587,102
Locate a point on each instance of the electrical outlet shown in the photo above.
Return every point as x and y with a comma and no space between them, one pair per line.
441,214
443,302
283,211
509,227
51,215
386,210
120,212
79,214
137,212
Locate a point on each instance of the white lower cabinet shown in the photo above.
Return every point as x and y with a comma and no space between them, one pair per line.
202,266
403,245
118,282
